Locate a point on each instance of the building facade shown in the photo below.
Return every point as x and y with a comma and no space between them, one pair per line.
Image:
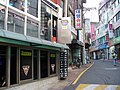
28,42
107,35
76,46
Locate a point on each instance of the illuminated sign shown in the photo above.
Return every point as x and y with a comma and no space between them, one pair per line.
77,19
23,53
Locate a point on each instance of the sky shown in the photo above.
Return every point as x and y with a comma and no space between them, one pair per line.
92,14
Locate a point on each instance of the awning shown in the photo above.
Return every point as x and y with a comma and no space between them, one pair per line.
20,39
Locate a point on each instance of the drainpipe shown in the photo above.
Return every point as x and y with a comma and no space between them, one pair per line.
65,8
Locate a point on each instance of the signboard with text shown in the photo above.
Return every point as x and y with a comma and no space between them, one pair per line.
77,19
64,30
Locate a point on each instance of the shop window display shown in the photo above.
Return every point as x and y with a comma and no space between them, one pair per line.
52,63
25,64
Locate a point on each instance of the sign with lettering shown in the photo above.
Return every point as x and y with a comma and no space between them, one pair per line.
77,19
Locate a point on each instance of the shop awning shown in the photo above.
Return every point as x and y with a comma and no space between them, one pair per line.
20,39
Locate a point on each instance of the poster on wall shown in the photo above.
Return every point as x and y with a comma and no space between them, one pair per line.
25,64
52,63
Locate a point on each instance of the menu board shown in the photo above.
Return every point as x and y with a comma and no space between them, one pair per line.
63,64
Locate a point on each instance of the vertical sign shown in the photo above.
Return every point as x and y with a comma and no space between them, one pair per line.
77,19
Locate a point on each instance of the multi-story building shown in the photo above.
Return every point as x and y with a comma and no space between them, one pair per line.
93,41
76,46
107,35
28,36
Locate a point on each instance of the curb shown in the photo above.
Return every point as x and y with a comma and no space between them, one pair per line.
75,81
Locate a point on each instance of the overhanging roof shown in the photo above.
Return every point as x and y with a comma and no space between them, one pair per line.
20,39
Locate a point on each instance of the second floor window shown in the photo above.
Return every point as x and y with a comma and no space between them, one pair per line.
2,16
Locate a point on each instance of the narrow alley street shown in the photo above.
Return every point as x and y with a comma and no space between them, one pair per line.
101,76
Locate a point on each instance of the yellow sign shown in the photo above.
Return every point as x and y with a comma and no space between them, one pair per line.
52,55
23,53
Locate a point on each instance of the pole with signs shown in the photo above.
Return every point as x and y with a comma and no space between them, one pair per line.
77,19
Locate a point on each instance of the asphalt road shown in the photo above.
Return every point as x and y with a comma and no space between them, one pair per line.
101,73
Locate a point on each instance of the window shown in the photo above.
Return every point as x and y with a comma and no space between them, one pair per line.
32,28
2,16
115,19
15,23
45,22
117,32
52,63
19,4
25,64
33,7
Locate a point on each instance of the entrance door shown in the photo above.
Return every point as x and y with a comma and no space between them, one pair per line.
44,64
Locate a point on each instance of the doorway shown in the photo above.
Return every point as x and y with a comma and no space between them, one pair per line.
44,64
3,64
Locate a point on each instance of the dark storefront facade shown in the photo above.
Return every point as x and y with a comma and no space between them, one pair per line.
21,63
27,52
76,48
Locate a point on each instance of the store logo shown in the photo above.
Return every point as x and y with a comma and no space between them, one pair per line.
64,22
26,69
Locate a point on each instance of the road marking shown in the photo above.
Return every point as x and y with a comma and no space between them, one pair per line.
91,87
118,88
82,74
97,87
111,87
82,86
100,87
111,68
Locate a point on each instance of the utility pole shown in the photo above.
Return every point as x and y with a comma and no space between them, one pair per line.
83,26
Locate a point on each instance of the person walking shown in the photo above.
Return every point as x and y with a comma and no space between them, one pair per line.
103,57
114,55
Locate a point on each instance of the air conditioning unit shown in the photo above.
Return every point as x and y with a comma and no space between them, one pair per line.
42,32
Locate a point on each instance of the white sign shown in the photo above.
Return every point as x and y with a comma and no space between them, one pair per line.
64,30
77,19
110,32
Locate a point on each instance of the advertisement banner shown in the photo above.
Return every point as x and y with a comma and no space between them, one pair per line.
77,19
64,30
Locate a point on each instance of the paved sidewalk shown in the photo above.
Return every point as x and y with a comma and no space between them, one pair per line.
72,75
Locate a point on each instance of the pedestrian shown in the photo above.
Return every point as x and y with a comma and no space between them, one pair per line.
114,55
103,57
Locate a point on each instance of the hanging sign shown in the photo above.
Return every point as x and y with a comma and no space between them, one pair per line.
77,19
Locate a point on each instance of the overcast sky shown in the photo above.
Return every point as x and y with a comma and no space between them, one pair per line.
93,14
